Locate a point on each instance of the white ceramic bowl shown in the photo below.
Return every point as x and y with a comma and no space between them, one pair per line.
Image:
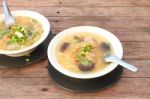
114,41
41,19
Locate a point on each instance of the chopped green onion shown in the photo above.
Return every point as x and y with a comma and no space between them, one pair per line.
81,55
27,60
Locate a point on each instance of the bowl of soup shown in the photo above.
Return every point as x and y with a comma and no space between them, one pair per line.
79,52
30,30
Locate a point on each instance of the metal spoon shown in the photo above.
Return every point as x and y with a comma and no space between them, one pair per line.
111,58
9,20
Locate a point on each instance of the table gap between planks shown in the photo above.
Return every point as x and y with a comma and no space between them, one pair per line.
127,19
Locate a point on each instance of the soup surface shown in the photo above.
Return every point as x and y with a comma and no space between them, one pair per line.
83,52
22,34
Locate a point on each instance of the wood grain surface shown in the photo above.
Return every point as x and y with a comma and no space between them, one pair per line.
129,20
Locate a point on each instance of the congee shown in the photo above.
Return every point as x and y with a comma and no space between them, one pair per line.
22,34
83,52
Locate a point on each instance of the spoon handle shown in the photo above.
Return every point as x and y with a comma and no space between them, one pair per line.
6,9
115,59
9,20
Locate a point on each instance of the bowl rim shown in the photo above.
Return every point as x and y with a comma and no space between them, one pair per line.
52,59
35,15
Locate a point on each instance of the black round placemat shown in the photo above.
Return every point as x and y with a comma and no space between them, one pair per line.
36,55
85,85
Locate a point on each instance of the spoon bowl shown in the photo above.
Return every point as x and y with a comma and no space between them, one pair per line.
112,58
9,20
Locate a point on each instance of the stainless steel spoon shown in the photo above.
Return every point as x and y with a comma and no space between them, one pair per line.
9,20
111,58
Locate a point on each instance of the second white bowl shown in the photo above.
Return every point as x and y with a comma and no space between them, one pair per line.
41,19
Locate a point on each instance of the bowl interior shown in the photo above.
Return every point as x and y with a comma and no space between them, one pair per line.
112,39
35,15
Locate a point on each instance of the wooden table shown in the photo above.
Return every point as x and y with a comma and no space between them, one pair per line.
128,19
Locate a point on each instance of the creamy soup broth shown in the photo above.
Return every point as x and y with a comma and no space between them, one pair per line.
82,52
22,34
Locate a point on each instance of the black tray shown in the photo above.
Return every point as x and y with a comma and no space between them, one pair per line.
85,85
36,55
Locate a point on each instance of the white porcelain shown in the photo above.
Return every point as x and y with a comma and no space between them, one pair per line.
114,41
37,16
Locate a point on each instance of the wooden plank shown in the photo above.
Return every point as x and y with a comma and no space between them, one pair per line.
68,11
130,11
78,3
136,50
143,69
39,69
88,11
43,88
103,22
133,35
